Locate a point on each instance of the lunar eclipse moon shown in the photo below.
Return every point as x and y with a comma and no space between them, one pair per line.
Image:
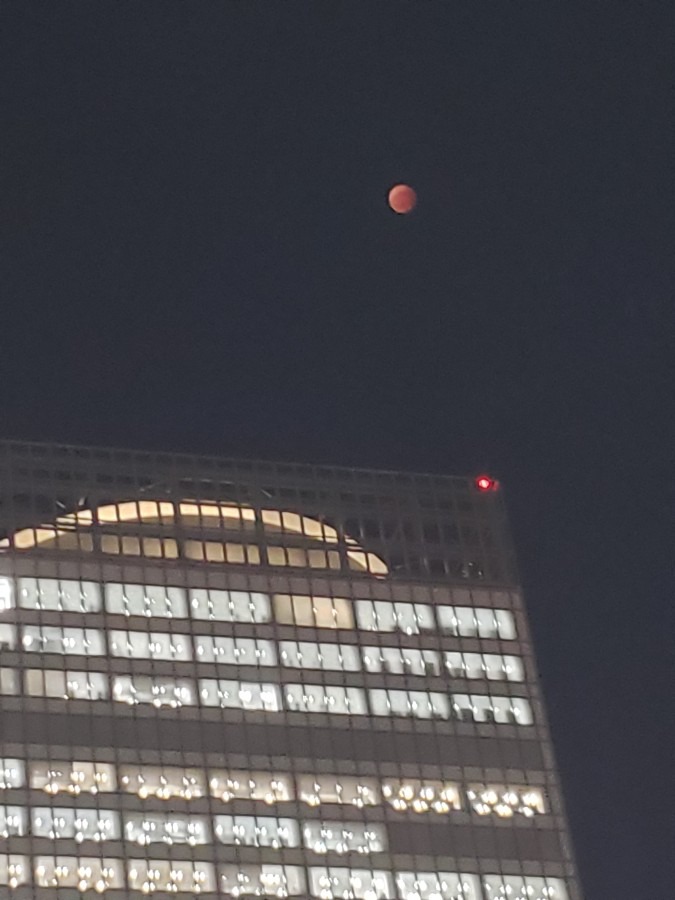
402,198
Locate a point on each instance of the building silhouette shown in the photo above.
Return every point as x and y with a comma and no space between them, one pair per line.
235,679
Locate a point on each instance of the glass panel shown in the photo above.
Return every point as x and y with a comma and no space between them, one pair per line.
380,615
239,694
13,821
168,828
415,704
157,875
473,665
79,824
506,625
505,800
270,787
235,650
332,882
163,782
521,711
483,708
55,639
468,621
14,870
421,795
314,698
84,872
9,681
319,612
262,881
145,600
72,777
78,685
158,690
63,596
150,645
499,667
310,655
399,661
437,886
344,837
7,635
492,666
343,789
6,599
12,773
230,606
257,831
515,887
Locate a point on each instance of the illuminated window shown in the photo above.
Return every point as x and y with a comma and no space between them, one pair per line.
56,639
380,615
340,789
303,559
505,800
232,784
482,708
235,651
159,875
72,777
344,837
363,884
421,795
414,704
492,666
129,545
66,685
516,887
82,543
77,824
163,782
61,596
310,655
145,600
239,694
437,886
9,681
150,645
165,828
158,690
14,870
315,698
6,599
86,873
365,562
399,661
257,831
314,612
12,821
229,606
217,552
262,881
470,621
12,773
7,637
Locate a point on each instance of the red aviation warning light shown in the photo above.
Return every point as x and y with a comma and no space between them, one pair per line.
484,484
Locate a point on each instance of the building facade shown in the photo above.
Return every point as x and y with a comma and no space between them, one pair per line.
245,679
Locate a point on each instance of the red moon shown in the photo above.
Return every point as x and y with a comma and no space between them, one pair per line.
402,198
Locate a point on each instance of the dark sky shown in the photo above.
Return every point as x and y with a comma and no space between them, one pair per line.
196,254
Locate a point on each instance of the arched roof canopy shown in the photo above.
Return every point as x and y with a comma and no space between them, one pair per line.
189,515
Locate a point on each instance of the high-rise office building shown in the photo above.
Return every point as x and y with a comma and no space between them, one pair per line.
244,679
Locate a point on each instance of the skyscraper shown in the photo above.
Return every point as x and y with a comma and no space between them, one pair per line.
236,679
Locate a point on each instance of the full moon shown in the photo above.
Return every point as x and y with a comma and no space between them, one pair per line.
402,198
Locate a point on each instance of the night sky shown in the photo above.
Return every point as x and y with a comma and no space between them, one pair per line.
196,254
